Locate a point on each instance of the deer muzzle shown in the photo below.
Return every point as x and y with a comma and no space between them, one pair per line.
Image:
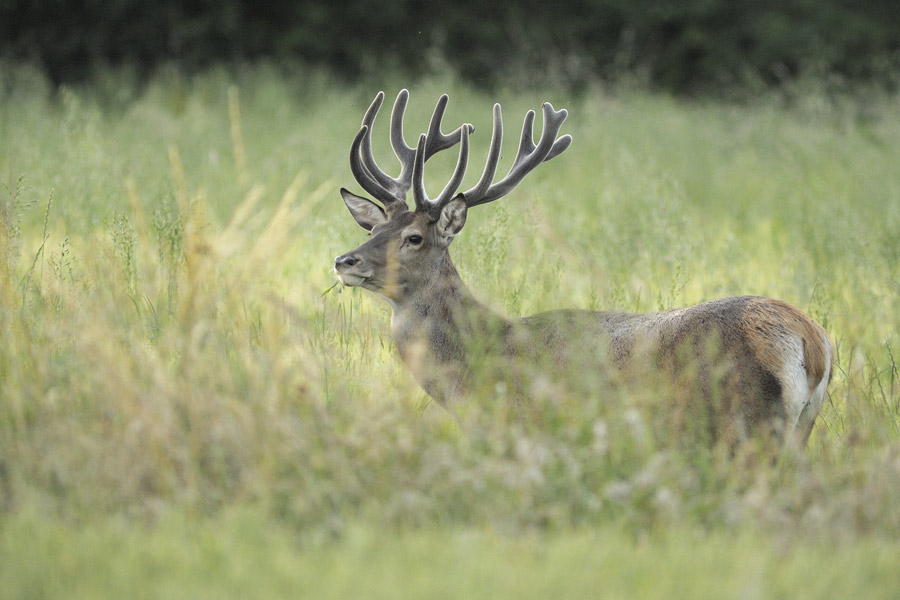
351,270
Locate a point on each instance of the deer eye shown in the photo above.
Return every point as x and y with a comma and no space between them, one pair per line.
415,240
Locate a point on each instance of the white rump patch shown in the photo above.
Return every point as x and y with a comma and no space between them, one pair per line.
817,397
796,389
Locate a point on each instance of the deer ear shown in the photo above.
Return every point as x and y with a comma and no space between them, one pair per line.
367,213
453,217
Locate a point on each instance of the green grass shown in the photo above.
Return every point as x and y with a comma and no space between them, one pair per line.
244,556
189,408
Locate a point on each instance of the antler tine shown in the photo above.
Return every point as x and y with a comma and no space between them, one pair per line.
365,153
528,157
493,160
553,122
420,196
559,146
526,141
396,188
362,174
458,173
404,151
436,140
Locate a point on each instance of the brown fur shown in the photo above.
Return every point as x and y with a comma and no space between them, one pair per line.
729,359
767,321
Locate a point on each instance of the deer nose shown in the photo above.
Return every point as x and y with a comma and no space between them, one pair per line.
345,260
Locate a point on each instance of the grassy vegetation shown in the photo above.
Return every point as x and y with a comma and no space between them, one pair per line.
188,408
242,556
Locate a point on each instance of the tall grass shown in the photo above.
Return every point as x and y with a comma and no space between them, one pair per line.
171,341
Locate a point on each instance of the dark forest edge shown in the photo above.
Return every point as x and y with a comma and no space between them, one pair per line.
689,48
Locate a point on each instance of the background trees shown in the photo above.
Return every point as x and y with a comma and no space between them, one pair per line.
685,46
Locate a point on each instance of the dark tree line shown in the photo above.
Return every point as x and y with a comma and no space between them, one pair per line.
681,45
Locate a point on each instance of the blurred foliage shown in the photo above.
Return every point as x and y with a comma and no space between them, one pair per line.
185,412
166,342
688,46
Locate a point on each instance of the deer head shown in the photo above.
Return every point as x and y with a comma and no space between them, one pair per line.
407,249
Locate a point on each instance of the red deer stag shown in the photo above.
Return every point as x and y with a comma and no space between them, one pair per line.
763,363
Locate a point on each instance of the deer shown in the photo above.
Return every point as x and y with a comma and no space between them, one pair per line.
763,363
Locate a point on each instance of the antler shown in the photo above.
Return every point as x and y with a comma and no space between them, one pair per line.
392,191
528,156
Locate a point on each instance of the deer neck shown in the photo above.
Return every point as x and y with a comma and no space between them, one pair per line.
435,329
440,300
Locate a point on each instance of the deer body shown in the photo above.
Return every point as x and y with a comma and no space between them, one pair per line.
762,362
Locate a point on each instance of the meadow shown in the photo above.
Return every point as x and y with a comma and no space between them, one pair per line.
189,407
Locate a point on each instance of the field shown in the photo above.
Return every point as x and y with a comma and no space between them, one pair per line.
190,408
